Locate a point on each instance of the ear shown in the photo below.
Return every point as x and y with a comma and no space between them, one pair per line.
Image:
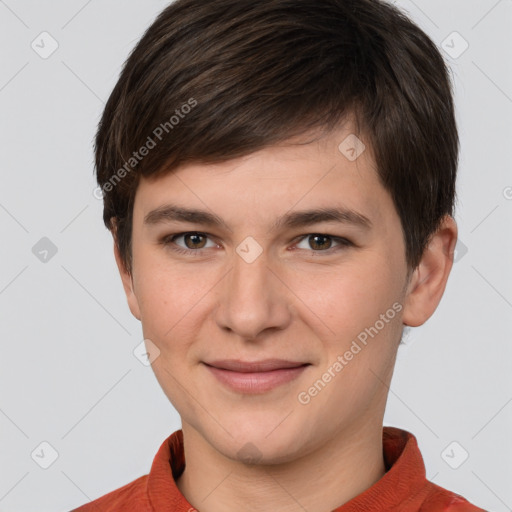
126,277
428,280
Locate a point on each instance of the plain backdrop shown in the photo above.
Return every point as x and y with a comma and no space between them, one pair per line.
74,398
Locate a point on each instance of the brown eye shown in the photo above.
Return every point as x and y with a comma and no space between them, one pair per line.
320,242
190,242
194,240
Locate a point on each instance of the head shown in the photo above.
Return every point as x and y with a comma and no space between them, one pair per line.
316,143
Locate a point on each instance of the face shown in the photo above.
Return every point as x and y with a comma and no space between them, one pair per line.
277,307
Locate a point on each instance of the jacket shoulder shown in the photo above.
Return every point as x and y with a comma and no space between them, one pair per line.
129,497
442,500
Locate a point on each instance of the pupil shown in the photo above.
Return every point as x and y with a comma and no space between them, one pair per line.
321,237
195,240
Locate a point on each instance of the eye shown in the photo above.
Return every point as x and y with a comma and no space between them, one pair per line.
193,241
319,242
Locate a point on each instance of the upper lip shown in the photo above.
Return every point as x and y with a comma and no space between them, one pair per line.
254,366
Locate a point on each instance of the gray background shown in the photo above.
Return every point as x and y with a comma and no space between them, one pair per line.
68,376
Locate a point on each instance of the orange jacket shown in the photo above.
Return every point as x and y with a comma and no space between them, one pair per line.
403,488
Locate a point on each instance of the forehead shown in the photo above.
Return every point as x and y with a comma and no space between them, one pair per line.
334,170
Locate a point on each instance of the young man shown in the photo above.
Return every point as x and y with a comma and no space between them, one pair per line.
279,179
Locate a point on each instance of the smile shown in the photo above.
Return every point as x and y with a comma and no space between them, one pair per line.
255,377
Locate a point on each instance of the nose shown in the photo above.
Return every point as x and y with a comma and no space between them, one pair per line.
253,299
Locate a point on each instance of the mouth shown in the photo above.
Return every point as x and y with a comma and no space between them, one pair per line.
255,377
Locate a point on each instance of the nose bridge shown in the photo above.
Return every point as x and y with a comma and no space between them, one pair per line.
250,276
252,298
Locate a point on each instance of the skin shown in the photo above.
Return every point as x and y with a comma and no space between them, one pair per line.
299,300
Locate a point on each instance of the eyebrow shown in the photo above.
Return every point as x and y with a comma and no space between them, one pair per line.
295,219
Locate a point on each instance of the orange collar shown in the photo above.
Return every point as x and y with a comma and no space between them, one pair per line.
403,487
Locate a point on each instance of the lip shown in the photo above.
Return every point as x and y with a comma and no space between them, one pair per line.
255,377
266,365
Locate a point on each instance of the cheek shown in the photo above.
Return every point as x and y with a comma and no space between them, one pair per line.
362,306
167,297
352,297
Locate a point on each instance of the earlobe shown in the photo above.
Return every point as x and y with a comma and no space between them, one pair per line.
428,280
127,280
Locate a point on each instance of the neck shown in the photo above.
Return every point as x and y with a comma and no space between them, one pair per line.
320,481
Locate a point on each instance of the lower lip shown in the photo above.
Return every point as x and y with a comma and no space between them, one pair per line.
257,382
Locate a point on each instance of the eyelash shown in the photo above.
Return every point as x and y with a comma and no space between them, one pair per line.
168,241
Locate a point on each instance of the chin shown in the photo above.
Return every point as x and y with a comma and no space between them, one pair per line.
262,442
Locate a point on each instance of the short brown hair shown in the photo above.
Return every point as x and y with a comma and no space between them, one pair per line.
253,74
